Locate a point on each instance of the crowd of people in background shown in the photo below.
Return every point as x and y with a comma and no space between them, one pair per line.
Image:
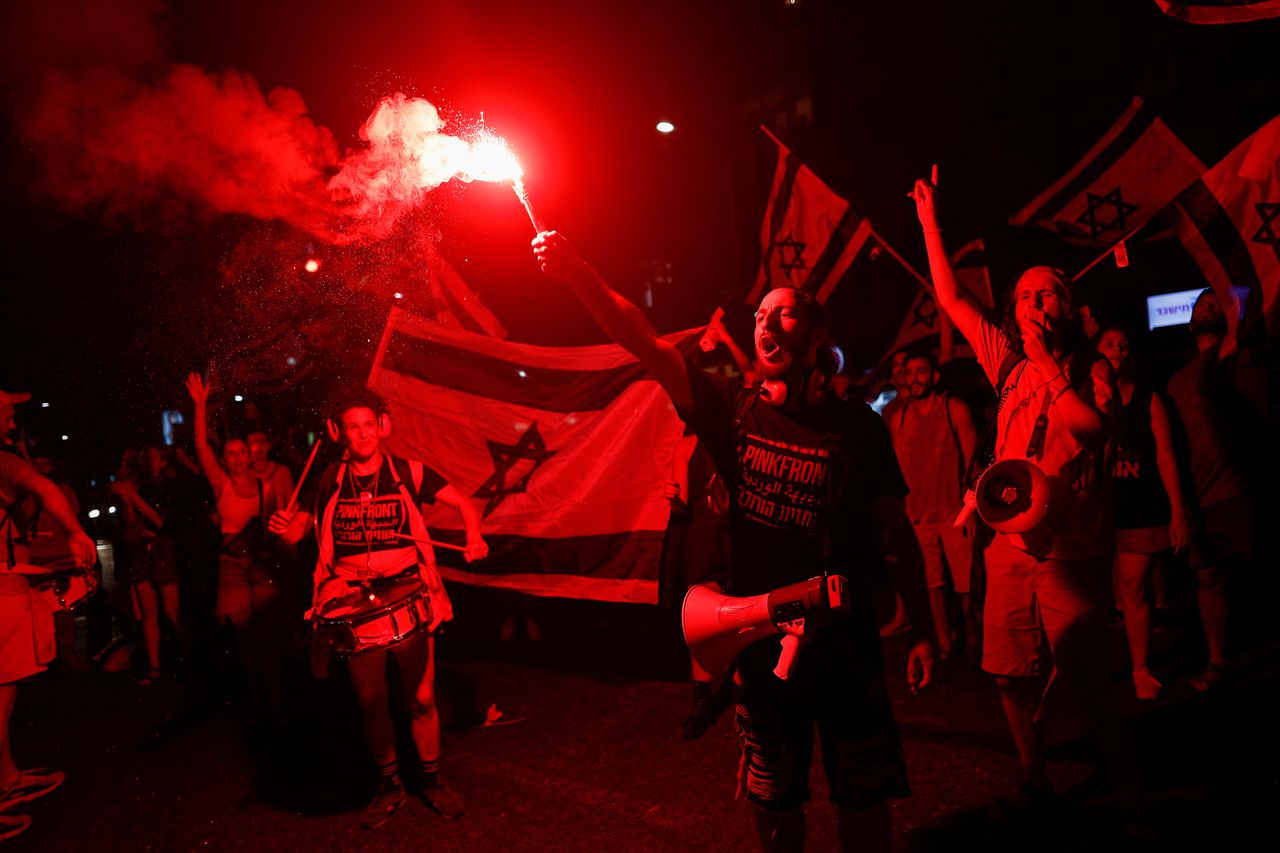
1156,489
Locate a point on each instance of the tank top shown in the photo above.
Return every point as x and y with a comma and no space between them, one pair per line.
1139,492
234,511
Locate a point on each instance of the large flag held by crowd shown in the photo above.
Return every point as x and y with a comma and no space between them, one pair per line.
1221,11
809,235
566,451
1229,221
922,324
1132,172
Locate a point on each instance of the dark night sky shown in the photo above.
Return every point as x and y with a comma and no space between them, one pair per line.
103,315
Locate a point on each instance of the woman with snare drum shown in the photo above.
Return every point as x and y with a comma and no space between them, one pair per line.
377,572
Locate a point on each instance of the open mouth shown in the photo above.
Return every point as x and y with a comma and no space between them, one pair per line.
768,347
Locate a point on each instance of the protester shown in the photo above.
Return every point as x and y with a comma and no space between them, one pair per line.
934,437
147,499
1149,512
1045,587
792,414
249,599
371,532
1221,400
27,634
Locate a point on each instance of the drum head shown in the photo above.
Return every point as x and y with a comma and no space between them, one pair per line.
376,596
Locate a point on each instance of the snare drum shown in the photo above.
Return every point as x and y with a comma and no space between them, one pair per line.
378,616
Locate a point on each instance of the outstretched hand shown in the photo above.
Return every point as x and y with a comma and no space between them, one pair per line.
197,389
556,256
923,195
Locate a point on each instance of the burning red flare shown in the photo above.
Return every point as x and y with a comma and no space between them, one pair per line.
312,265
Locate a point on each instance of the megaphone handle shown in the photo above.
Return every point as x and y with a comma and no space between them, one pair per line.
786,660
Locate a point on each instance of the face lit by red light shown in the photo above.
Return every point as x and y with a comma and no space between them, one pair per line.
1114,345
898,371
235,455
361,433
259,447
920,377
1040,298
783,333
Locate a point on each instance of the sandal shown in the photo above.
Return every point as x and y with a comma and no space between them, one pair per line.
13,824
1210,678
30,785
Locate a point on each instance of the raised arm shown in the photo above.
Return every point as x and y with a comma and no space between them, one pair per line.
946,288
717,333
200,396
620,319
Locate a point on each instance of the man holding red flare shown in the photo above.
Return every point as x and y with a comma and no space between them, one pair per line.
815,486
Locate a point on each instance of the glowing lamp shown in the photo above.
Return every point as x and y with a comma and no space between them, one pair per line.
44,405
111,509
312,265
93,513
665,127
398,295
66,437
238,398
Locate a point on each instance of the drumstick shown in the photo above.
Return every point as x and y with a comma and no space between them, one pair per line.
431,542
293,499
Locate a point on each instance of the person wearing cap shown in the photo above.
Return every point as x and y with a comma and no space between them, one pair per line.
27,633
1045,586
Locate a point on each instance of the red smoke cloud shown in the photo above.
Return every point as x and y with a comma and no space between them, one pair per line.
212,139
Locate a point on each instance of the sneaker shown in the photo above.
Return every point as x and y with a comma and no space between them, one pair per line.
388,798
31,785
708,704
13,824
442,799
1210,678
1145,685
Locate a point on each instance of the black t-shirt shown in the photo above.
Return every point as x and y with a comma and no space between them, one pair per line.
796,480
370,516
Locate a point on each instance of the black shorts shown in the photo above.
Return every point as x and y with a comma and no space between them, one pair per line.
837,689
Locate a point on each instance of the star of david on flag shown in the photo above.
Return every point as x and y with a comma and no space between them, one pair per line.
1132,172
566,449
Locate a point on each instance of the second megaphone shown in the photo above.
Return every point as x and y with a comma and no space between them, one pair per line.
1012,496
717,626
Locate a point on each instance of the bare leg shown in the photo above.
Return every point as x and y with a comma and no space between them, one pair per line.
425,725
1211,595
170,604
145,608
938,604
868,829
781,831
1020,697
1132,571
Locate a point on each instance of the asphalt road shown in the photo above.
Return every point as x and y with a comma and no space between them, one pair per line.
596,762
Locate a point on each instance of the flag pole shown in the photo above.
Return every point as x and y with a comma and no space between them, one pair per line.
1110,251
924,282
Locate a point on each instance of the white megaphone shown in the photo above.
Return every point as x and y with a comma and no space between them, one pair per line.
718,626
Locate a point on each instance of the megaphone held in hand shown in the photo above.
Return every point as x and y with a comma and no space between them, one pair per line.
717,626
1013,496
